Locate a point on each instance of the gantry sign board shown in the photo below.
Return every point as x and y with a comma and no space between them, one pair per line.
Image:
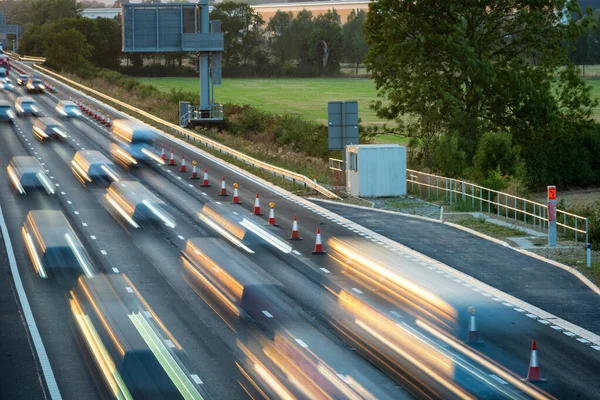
342,126
10,29
169,27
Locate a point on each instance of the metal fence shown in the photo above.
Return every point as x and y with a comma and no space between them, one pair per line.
467,196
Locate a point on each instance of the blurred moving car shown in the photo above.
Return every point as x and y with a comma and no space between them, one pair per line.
135,142
22,79
26,106
53,246
46,128
3,74
7,85
91,165
35,85
133,202
67,109
6,112
26,172
134,353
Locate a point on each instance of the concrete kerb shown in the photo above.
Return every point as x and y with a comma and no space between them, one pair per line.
316,208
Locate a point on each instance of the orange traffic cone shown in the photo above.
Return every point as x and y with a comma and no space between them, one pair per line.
223,188
472,338
172,160
194,171
162,153
257,206
533,375
318,243
205,179
183,168
236,197
271,220
295,231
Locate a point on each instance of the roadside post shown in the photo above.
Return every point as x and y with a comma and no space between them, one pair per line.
589,255
552,216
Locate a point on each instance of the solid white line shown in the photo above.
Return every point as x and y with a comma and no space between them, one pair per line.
29,318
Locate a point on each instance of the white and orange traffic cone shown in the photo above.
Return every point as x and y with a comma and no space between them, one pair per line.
172,159
271,220
295,232
533,375
223,191
257,206
101,119
183,168
108,123
318,243
194,171
236,197
472,337
205,179
163,155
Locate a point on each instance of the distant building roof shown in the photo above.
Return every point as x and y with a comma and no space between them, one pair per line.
266,10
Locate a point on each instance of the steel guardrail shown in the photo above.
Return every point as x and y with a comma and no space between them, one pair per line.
290,175
503,204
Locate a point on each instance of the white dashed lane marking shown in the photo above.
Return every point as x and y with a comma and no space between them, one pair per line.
103,252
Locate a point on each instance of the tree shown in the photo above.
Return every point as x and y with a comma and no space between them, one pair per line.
242,28
325,42
300,29
355,47
463,68
280,36
69,51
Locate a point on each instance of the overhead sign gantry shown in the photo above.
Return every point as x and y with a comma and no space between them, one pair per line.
175,27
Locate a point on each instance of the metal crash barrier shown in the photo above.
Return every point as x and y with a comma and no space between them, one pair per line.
289,175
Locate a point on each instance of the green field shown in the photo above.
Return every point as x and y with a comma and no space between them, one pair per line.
307,97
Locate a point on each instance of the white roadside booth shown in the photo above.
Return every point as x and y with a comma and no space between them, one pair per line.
376,170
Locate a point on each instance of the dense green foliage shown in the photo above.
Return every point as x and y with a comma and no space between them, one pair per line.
285,46
462,69
69,42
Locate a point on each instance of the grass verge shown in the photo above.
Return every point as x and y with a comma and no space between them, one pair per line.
488,228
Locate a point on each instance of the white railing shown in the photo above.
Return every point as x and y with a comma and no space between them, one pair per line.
289,175
472,197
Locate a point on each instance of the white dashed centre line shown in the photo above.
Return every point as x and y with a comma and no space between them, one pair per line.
357,290
69,202
196,379
130,290
84,224
268,314
301,343
180,237
296,252
325,270
76,212
103,252
116,270
93,237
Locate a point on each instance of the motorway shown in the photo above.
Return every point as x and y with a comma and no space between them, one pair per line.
307,283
